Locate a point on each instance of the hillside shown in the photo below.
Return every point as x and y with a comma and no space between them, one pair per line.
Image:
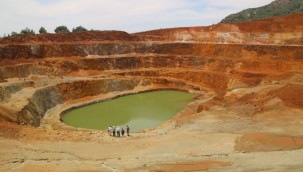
276,8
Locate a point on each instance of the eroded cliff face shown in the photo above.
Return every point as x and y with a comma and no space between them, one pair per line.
39,72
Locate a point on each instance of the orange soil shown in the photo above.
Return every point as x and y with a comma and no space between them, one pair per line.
260,142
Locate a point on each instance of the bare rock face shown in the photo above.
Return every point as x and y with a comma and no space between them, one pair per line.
57,68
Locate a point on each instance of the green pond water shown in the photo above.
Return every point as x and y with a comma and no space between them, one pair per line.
138,111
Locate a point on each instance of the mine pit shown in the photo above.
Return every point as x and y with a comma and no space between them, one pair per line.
240,106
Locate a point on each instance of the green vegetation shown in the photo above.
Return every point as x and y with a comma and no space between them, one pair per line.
27,31
42,30
62,29
79,29
14,33
276,8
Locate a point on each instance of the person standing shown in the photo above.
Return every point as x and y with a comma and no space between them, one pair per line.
127,130
114,131
122,132
118,131
109,130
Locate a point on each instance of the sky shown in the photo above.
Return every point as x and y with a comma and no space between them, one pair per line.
127,15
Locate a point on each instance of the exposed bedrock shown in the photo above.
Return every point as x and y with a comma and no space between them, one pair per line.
212,73
6,89
241,68
42,100
19,71
197,49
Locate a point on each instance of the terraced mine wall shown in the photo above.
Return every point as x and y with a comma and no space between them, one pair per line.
204,66
52,69
103,49
211,65
220,57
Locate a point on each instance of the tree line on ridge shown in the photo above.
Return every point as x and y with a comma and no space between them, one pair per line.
42,30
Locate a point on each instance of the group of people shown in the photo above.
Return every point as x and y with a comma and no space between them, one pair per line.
117,131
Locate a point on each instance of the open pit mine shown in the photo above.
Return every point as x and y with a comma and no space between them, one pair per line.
246,115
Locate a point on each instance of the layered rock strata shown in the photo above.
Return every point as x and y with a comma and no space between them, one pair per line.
56,68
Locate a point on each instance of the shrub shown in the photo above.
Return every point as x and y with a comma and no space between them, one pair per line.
42,30
62,29
27,31
14,34
79,29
